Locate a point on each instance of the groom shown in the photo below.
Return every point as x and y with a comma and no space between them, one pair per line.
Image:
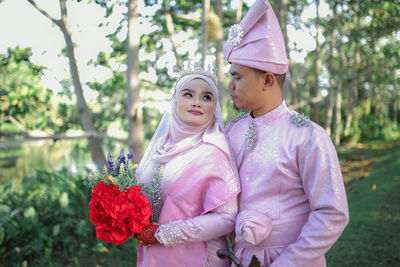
293,203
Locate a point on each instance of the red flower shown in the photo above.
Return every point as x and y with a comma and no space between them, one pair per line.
118,215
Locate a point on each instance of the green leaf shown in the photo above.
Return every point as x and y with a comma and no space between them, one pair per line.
64,200
100,248
56,229
4,211
30,212
1,234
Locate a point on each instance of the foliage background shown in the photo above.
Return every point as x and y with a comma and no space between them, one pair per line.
350,68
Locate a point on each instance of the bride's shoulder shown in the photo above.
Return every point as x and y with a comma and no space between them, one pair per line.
210,150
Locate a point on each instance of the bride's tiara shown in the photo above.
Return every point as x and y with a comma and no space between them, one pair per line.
190,69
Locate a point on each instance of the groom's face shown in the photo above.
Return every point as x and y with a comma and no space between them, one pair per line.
245,87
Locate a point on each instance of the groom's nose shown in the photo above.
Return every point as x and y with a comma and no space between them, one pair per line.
231,84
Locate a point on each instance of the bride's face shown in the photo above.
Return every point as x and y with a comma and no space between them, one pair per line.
195,103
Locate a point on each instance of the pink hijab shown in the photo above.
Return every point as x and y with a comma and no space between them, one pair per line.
173,137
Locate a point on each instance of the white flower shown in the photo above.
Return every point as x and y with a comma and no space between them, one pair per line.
235,34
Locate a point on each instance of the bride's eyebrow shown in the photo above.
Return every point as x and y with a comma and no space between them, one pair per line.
187,90
207,93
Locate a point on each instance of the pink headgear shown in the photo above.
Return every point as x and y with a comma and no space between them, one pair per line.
257,42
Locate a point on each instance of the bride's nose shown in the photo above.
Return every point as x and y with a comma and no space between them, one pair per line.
195,102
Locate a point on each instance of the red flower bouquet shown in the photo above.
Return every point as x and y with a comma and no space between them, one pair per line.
118,208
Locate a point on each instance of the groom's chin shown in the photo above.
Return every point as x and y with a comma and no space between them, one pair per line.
235,107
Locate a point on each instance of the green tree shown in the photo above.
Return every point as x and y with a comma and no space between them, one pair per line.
82,107
23,99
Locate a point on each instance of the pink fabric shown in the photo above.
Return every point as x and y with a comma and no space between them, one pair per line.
251,228
206,184
291,175
200,179
263,45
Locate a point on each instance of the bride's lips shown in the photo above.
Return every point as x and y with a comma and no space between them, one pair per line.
195,112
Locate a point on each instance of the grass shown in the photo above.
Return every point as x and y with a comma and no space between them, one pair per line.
372,177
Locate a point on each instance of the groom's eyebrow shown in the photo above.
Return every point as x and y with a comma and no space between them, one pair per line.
233,73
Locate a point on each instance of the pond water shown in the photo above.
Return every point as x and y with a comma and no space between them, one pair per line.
19,160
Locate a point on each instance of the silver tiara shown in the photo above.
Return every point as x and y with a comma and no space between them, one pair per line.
190,69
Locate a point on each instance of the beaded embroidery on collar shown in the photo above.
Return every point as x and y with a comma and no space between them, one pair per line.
300,120
238,117
249,141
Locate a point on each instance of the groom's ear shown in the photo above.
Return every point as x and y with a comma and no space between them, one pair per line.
269,80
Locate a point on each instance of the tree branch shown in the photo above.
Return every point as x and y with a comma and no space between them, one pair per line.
187,17
15,122
57,22
55,137
170,30
303,103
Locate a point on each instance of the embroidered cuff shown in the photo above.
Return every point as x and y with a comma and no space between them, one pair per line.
176,233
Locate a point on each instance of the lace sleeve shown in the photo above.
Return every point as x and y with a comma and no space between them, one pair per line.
176,233
214,224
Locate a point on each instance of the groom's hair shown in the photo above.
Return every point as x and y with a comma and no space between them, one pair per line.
279,77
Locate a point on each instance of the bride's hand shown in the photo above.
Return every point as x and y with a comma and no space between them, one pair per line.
146,237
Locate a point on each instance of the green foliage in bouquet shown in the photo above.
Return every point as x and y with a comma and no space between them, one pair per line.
120,171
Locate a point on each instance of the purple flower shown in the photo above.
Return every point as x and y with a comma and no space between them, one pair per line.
110,164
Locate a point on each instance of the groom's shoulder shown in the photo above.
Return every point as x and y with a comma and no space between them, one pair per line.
240,116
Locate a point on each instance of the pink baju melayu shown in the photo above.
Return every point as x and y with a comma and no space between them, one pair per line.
198,190
293,203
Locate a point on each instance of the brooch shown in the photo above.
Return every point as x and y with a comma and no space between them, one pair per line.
235,34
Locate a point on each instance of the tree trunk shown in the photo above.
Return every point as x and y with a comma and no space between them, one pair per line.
329,103
282,12
315,86
293,88
134,109
352,90
395,98
83,110
204,23
239,11
170,30
338,106
380,97
226,105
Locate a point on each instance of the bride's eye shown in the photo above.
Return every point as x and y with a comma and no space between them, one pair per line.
207,98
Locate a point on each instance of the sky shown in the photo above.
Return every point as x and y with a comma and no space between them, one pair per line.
22,25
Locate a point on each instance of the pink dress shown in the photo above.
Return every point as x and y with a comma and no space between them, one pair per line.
199,193
293,203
